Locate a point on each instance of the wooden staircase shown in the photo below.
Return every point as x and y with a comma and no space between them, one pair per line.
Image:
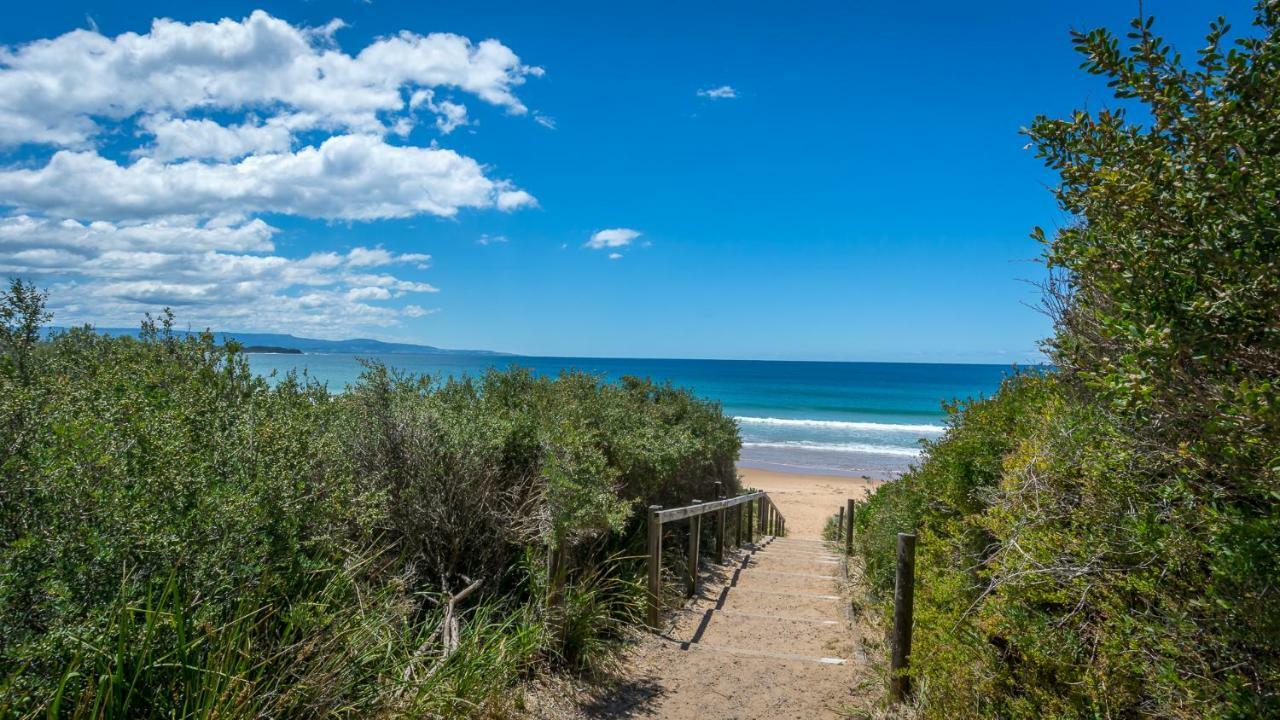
771,633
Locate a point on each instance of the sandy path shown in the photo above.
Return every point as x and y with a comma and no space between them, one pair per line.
769,633
806,500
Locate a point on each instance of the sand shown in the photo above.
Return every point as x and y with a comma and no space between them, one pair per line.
769,634
807,500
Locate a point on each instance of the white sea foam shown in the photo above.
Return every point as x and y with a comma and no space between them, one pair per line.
863,448
842,425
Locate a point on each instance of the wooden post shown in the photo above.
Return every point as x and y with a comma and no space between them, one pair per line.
695,535
720,528
655,565
556,570
737,525
848,527
750,521
903,595
764,504
840,526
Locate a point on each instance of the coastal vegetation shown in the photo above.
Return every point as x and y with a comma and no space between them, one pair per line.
1103,540
181,538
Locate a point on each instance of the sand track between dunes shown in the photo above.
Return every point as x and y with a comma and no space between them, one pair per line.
769,634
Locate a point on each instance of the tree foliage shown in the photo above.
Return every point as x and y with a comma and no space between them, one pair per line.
1104,541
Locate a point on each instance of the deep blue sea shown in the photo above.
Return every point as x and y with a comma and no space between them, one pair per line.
820,417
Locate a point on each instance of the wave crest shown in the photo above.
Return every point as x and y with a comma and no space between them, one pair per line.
842,425
859,448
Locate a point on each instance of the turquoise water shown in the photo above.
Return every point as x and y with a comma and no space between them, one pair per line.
821,417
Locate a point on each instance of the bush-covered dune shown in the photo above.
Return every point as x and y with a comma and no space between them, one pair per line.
180,538
1104,540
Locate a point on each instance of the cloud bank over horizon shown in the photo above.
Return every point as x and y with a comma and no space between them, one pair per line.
225,122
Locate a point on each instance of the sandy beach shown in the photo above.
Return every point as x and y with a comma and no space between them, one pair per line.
807,500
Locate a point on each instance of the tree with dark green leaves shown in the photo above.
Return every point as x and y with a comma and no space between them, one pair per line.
1104,540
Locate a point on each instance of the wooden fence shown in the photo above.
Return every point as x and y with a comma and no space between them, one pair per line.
753,513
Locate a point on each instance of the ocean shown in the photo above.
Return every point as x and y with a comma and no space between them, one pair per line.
836,418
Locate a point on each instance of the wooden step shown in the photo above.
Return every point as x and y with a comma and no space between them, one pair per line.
811,584
782,604
813,566
776,635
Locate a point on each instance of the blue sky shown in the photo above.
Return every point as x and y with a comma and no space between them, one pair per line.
837,181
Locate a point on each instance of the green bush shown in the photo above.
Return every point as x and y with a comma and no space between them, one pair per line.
1104,541
181,538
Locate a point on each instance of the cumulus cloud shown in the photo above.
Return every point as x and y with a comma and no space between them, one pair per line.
230,120
180,139
416,311
615,256
58,91
612,238
724,92
112,273
348,177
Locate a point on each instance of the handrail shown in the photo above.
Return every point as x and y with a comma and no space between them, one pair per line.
680,513
767,519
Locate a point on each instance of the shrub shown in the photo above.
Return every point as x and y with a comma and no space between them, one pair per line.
181,538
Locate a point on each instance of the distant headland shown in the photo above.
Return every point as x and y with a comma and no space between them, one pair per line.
283,343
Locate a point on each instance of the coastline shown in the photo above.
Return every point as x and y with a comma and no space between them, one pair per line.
807,499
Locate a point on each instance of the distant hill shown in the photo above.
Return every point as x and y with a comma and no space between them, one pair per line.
279,342
271,349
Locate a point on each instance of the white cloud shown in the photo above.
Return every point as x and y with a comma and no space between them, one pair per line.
230,120
417,311
160,235
544,120
58,91
378,257
112,273
449,115
179,139
348,177
487,239
724,92
615,256
615,237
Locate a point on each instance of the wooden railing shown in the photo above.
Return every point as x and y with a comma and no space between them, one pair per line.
761,516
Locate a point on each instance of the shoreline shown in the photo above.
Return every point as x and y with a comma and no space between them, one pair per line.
807,499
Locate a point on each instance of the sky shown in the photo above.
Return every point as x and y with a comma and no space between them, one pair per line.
799,181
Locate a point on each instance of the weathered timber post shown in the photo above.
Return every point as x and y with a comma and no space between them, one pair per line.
556,570
737,525
750,521
695,536
840,526
720,528
764,524
655,565
903,595
848,528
